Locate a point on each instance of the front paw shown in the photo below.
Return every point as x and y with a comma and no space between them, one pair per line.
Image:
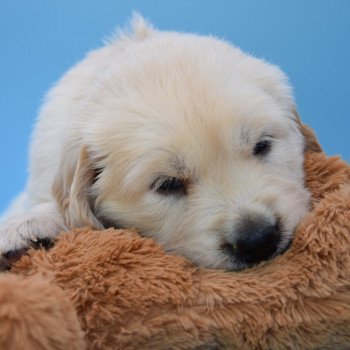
20,233
9,258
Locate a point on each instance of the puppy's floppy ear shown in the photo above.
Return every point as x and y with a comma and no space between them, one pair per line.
310,139
71,189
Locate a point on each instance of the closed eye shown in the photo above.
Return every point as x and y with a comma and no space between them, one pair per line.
262,148
169,185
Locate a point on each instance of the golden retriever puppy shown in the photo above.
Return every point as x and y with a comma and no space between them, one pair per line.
184,137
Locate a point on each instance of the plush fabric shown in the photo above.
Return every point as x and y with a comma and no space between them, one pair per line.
35,314
128,294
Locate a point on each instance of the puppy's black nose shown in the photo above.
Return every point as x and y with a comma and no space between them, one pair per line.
258,240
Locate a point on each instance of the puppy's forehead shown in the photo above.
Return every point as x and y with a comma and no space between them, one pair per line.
174,134
186,96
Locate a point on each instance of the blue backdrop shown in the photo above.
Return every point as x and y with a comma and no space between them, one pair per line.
41,39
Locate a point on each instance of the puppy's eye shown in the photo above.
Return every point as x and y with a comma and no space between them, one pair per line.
169,186
262,148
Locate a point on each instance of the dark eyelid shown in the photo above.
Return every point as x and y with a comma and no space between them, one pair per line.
262,147
158,180
169,185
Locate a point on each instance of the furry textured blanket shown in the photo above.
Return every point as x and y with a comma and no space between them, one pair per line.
115,290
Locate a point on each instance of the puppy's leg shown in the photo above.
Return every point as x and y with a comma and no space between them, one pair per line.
43,222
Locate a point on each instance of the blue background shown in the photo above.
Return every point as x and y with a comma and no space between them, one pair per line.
41,39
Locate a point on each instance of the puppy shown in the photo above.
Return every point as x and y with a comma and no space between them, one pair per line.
183,137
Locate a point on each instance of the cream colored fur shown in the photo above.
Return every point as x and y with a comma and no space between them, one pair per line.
152,103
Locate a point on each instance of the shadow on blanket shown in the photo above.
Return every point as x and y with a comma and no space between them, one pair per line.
115,290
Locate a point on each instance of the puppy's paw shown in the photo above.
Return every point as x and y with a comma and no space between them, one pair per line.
36,229
7,259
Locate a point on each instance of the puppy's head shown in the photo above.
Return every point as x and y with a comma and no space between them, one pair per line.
193,143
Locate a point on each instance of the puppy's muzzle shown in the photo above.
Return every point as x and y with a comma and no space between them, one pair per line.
257,240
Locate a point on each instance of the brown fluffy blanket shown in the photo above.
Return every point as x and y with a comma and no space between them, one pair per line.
115,290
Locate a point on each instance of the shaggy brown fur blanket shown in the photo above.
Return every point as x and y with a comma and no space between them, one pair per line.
115,290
